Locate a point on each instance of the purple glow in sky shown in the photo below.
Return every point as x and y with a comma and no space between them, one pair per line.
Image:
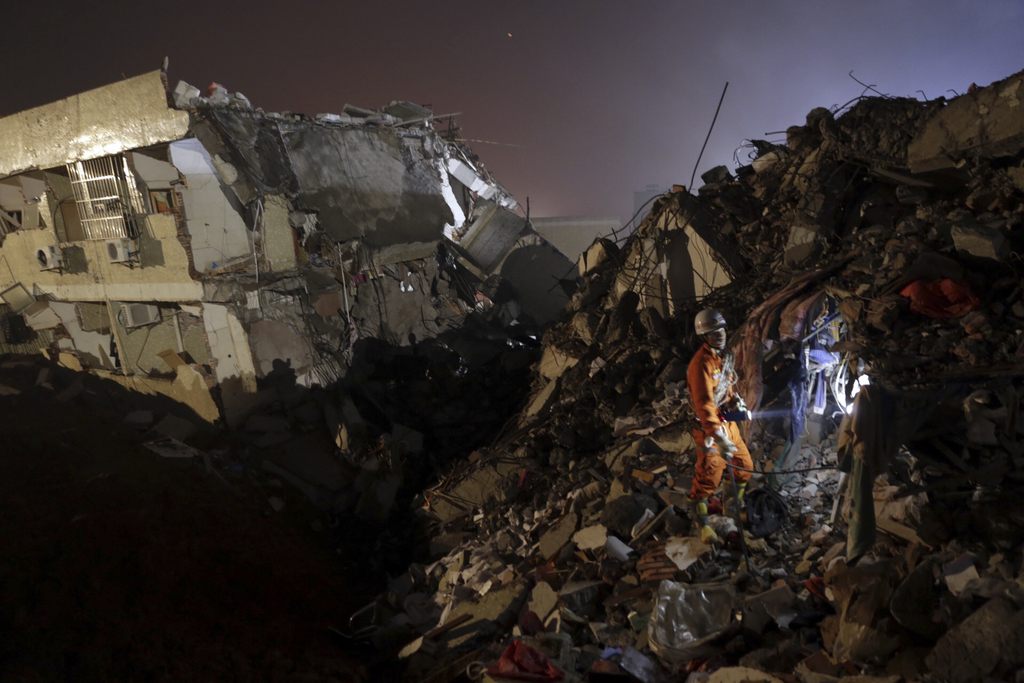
600,97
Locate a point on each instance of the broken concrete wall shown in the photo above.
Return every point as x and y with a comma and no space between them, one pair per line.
114,118
92,346
374,184
984,122
214,217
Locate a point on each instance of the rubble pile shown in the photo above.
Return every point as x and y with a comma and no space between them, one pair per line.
872,260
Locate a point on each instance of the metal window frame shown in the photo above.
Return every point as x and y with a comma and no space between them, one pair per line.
107,197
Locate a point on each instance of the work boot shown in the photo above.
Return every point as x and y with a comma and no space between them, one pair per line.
700,513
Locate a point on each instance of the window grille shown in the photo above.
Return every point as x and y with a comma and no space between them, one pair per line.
107,197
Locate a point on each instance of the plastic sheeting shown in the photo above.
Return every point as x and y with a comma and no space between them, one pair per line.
522,663
686,617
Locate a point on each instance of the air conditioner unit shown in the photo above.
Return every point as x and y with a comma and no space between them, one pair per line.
120,250
137,315
50,258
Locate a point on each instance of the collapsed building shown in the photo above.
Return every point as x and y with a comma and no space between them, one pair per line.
870,266
192,246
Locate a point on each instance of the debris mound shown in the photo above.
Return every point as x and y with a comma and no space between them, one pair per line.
869,268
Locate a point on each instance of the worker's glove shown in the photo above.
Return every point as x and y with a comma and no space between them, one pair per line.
726,448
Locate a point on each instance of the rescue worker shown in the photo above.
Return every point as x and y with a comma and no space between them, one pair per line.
711,378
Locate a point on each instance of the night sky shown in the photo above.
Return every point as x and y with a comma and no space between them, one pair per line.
591,99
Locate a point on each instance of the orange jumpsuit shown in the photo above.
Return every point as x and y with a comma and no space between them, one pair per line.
703,376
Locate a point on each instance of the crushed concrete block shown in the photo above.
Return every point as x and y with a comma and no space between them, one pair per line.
480,486
70,361
558,536
584,324
718,174
612,635
71,393
309,413
445,543
959,572
990,638
591,537
980,241
866,628
554,361
311,457
620,514
543,600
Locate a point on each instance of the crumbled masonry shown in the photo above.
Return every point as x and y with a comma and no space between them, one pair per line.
523,467
873,280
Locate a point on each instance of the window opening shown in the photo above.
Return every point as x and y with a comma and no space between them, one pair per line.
107,198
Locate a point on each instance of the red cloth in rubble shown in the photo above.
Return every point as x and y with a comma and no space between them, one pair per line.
522,663
940,299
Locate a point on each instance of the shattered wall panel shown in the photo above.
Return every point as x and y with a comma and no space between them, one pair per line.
114,118
491,234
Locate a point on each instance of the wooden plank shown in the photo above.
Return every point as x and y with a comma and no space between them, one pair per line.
447,626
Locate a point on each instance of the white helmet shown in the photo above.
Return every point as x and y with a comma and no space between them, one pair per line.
708,321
